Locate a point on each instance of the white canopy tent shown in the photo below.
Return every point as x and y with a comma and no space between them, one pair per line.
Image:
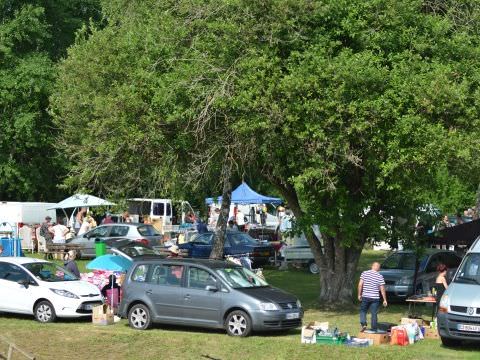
81,201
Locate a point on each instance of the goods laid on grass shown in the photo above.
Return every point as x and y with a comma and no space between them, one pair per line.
407,333
102,315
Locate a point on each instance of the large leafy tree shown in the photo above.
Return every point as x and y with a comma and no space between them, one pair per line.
33,36
360,113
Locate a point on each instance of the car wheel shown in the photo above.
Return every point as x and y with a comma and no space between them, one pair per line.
450,342
238,323
44,312
313,268
139,317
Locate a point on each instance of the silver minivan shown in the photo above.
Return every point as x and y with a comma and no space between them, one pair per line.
205,293
459,308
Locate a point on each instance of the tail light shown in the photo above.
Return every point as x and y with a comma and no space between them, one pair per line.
142,241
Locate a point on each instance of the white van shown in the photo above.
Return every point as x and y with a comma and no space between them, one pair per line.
459,309
158,209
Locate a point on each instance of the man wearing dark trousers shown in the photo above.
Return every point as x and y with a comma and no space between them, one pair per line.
370,286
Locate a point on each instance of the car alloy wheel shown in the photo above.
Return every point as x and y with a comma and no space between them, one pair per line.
238,324
313,268
139,317
44,312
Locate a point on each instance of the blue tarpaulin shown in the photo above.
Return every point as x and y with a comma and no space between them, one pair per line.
244,195
110,262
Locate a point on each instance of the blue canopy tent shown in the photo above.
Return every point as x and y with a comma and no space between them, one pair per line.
244,195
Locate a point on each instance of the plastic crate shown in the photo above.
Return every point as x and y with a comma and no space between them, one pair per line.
330,340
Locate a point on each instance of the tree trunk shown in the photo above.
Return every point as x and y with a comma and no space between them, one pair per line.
336,262
221,227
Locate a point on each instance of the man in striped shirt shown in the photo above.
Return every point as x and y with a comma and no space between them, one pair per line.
370,286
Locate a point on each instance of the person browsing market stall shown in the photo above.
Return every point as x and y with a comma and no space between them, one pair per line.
370,286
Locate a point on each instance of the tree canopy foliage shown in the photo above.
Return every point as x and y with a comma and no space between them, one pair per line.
357,112
33,35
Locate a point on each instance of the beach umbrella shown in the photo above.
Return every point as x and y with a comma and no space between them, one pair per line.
110,263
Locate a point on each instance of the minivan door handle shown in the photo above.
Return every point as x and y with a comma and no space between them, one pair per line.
187,297
149,292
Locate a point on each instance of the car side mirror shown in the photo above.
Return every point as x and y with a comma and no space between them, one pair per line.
24,282
212,288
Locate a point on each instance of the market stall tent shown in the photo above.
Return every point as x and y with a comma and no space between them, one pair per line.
81,200
245,195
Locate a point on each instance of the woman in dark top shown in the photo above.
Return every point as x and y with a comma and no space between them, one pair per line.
70,263
441,281
111,292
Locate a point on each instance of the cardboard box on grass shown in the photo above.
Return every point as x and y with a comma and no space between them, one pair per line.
309,332
377,339
406,321
431,333
102,315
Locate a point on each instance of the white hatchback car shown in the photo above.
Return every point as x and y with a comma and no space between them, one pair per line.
44,289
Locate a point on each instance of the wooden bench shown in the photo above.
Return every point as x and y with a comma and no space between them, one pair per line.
58,250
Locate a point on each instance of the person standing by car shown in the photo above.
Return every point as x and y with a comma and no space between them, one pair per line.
70,264
240,219
370,286
79,219
47,235
108,219
59,232
127,218
441,282
201,226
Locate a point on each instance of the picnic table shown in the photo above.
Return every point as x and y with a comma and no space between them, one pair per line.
59,250
414,300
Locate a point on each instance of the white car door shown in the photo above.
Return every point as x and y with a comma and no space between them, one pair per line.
15,297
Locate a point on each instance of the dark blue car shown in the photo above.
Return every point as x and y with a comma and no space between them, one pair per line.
236,243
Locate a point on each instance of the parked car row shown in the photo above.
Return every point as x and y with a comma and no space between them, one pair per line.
145,234
193,292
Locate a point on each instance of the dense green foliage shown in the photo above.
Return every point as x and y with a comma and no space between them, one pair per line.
357,112
33,35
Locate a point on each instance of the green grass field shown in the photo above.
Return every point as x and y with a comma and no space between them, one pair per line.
81,340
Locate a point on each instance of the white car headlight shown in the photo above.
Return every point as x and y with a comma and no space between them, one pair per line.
65,293
268,307
299,304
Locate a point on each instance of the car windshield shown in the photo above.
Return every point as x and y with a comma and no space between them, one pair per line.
402,261
137,250
469,271
148,230
239,277
239,238
50,272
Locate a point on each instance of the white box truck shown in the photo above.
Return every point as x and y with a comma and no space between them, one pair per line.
21,219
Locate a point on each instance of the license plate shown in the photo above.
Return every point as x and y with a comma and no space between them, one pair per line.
465,327
290,316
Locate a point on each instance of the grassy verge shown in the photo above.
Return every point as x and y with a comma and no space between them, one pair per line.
81,340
